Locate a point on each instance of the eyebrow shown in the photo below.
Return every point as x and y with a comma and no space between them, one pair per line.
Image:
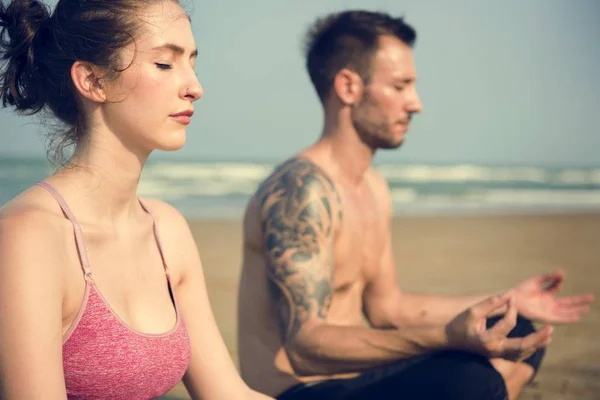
176,49
406,81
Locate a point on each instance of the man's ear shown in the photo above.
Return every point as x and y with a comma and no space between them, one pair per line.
87,81
348,86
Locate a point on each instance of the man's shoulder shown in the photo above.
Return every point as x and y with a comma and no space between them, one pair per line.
296,176
298,188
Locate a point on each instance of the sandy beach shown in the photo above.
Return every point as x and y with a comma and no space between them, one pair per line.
462,255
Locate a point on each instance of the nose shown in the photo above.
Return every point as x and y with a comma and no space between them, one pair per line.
192,89
413,105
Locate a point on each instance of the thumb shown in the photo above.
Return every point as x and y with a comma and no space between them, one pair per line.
551,282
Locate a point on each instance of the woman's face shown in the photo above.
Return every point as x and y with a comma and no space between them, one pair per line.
149,105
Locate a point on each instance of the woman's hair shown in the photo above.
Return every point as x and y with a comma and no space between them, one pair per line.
38,49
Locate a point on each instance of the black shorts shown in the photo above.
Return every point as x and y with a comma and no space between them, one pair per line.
443,375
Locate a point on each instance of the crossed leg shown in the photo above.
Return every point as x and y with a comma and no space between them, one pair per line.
517,375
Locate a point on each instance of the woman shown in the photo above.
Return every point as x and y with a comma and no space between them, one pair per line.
93,304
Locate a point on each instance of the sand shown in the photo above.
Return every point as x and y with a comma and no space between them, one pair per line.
462,255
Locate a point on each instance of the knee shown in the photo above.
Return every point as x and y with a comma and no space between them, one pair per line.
512,372
472,378
535,360
523,328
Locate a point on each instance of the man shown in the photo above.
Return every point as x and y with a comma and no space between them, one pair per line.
320,314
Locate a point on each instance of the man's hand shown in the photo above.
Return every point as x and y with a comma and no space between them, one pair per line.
536,299
468,331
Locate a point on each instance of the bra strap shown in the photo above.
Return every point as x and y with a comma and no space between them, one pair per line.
156,236
83,258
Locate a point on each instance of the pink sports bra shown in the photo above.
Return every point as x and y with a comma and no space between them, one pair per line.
103,358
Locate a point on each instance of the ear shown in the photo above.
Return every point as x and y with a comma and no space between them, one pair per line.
348,86
88,84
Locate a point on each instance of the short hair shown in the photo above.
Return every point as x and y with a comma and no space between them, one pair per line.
349,39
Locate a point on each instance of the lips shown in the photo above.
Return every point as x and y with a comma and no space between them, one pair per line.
183,117
405,123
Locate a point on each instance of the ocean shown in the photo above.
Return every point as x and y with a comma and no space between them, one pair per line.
221,189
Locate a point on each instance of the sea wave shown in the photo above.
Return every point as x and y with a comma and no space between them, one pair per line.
472,173
252,172
200,171
170,189
224,187
501,197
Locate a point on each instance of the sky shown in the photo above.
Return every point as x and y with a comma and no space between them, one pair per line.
502,83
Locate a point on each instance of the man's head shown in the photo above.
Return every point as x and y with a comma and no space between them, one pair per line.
362,61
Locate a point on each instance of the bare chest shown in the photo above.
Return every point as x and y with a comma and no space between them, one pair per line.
361,239
130,276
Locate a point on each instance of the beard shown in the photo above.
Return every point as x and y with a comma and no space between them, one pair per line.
372,126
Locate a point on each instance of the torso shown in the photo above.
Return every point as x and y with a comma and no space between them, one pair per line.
358,245
125,310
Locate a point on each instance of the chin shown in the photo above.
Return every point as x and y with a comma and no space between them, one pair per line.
396,142
174,142
171,148
391,143
392,146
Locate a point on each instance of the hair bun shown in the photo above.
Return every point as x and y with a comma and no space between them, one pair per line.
22,19
19,23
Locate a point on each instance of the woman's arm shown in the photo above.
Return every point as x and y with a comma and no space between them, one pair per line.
211,373
31,295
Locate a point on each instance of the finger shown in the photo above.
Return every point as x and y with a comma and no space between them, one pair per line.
488,306
570,315
553,287
575,300
573,309
519,348
503,327
552,281
550,276
537,340
565,319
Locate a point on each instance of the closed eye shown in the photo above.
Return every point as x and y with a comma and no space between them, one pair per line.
163,66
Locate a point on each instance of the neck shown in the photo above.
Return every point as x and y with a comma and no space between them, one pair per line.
351,155
107,174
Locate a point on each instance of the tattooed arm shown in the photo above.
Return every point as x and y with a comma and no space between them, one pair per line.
301,212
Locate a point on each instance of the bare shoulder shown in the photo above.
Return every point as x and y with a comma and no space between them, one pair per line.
300,189
165,213
33,237
33,220
177,241
28,228
173,228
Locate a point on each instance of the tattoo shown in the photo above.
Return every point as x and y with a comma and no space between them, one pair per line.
300,206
